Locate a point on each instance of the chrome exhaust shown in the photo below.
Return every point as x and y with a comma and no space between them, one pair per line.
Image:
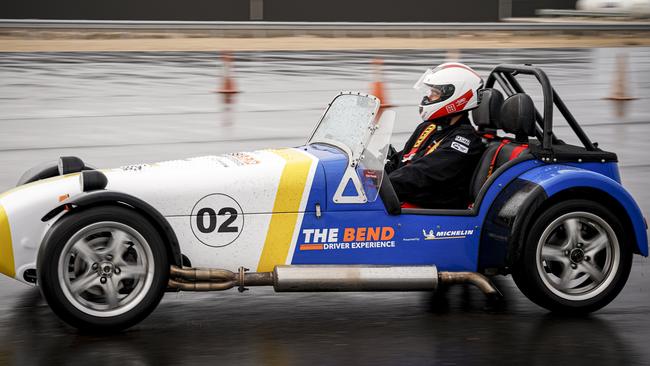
476,279
355,278
316,278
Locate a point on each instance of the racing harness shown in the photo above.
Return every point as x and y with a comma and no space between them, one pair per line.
516,152
513,155
421,139
416,147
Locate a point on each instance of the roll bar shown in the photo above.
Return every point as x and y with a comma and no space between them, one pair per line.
505,76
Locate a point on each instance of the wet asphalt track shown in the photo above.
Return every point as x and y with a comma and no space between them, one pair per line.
113,109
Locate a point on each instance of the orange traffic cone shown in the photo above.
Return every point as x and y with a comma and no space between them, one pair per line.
377,86
228,85
619,89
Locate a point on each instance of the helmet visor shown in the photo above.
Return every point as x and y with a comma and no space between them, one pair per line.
435,93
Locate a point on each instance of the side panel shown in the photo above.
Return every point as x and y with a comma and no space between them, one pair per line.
257,241
346,233
290,207
179,187
245,251
374,237
350,236
557,178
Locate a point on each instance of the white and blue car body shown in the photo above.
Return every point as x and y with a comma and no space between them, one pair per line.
328,203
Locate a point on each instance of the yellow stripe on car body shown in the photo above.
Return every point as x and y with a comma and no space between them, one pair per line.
7,265
286,208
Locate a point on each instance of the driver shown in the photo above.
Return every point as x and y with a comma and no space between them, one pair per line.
436,165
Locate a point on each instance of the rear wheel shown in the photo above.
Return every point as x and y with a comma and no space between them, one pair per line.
576,258
104,268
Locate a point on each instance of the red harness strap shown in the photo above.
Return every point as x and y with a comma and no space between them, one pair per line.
513,155
418,143
493,162
517,151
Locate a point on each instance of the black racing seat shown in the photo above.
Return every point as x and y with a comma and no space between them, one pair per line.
486,115
517,118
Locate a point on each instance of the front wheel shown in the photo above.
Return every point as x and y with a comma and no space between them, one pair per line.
575,259
104,268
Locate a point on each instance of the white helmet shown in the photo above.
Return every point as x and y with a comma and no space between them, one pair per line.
448,89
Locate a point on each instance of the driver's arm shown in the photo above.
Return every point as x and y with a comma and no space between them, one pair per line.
435,176
429,173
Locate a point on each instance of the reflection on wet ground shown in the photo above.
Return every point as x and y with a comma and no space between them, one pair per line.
121,108
269,329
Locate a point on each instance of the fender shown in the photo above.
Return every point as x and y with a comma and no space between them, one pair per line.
557,178
512,211
505,223
104,197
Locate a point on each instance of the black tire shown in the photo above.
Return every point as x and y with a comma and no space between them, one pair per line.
56,286
536,278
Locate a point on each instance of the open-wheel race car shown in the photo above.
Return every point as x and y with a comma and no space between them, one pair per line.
105,245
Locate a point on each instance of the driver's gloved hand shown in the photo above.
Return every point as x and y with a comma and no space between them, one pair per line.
392,158
391,152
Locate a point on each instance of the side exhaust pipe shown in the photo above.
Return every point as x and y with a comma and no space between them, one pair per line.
354,278
318,278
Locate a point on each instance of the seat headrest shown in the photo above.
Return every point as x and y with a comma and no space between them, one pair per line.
489,108
518,115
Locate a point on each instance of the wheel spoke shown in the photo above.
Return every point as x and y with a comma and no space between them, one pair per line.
110,292
87,253
594,272
566,276
118,261
595,245
115,245
572,230
553,254
84,283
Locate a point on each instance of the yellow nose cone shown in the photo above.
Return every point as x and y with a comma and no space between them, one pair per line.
7,265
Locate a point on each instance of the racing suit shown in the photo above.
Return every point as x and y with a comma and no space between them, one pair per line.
435,167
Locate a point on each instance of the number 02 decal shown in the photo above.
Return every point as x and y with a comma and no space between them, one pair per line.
217,220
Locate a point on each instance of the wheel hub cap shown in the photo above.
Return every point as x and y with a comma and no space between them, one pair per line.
577,255
106,268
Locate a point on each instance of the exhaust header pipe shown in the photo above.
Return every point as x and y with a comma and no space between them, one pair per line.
319,278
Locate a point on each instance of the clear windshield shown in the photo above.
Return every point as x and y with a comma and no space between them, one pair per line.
373,158
348,122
